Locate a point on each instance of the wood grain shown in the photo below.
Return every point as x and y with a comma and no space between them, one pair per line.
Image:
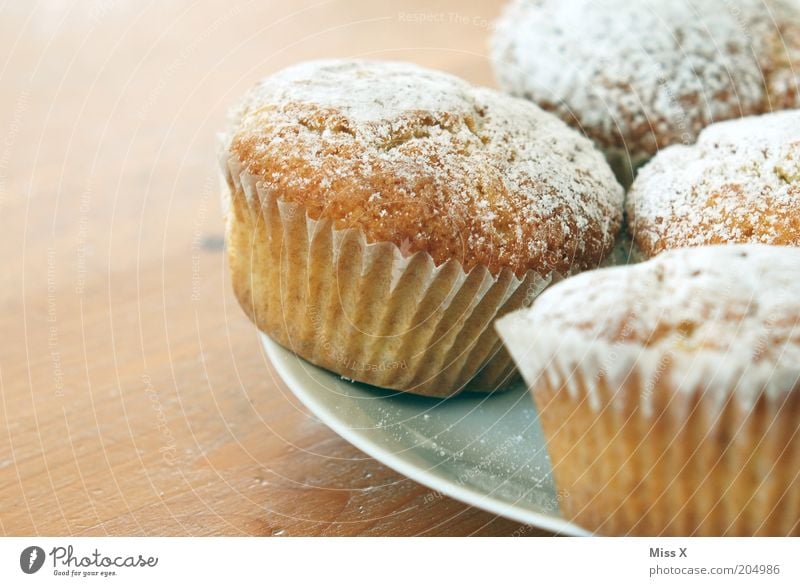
135,397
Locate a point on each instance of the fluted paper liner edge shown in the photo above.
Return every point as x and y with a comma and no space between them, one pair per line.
365,310
645,441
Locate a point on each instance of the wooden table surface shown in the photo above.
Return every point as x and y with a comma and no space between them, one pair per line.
135,396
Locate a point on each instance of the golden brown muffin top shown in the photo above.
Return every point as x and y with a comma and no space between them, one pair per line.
740,183
726,316
639,75
426,161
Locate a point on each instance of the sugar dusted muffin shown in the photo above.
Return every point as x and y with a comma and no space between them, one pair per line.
669,391
740,183
637,76
381,215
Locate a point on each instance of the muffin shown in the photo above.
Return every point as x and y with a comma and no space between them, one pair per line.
739,183
638,76
669,391
380,215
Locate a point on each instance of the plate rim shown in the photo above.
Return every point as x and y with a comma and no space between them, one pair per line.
438,483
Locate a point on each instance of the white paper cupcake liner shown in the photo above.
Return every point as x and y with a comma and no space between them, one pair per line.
365,310
648,442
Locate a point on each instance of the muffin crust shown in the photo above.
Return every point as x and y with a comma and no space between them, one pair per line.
638,76
429,163
739,184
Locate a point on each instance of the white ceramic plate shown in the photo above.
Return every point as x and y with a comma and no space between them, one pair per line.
485,450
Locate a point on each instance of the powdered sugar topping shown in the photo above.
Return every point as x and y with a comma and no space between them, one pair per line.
727,313
739,183
425,160
643,74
